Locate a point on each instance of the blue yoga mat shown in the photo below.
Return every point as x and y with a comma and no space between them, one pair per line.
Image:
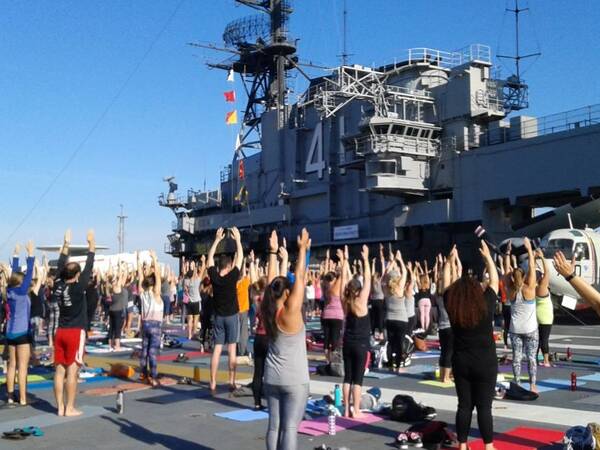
552,384
379,375
243,415
591,377
50,383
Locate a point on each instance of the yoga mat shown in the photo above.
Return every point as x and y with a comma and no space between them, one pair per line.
379,375
50,419
98,349
522,438
173,356
591,377
127,387
47,384
319,426
427,354
417,368
438,384
243,415
131,340
169,398
34,377
552,384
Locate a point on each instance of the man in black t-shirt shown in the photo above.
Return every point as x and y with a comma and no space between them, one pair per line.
69,292
224,281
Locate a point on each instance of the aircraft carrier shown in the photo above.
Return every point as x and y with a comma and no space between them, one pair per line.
417,152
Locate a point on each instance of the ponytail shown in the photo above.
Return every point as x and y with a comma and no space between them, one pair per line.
268,307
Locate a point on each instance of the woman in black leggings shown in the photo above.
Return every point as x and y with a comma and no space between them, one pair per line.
356,335
260,346
474,363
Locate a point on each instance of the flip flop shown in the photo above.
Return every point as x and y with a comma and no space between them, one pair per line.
13,436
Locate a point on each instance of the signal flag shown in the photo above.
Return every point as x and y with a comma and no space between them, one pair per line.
231,118
229,96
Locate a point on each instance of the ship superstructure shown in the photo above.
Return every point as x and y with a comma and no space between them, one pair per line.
418,151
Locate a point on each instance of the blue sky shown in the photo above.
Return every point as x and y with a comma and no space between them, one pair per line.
63,62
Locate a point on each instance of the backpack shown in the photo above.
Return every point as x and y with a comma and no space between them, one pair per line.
406,409
336,366
579,438
435,435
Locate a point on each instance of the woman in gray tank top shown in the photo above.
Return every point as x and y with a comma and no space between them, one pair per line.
286,368
523,333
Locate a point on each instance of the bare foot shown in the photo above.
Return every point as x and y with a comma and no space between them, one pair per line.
534,389
73,412
60,410
347,413
357,415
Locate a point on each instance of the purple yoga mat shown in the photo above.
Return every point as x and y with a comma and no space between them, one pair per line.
319,427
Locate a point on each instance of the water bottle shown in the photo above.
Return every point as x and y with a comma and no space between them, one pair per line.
337,395
573,381
120,405
331,423
569,354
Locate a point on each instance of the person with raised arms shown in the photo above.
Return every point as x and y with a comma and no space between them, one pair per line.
226,323
151,314
18,328
286,377
69,341
470,309
356,335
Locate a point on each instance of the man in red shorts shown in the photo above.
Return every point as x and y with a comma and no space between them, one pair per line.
69,341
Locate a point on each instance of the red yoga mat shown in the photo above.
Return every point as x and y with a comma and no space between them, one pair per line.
522,438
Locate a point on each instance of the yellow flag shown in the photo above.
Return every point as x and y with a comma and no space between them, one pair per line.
231,118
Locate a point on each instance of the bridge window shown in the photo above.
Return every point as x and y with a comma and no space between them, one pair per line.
555,245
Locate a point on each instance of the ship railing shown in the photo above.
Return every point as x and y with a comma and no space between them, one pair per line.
527,128
564,121
169,200
441,58
390,143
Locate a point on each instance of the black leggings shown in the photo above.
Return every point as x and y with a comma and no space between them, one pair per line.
506,316
544,331
115,323
355,362
396,330
332,328
377,315
475,380
446,347
261,347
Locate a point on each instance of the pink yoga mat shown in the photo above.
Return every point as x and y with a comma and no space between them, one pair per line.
172,356
319,427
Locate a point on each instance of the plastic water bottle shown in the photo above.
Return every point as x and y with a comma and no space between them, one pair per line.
331,423
120,403
337,396
569,354
573,381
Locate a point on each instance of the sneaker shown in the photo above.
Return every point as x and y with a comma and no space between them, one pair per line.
415,440
402,441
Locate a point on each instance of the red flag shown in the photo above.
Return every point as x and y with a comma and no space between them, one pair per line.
229,96
241,170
